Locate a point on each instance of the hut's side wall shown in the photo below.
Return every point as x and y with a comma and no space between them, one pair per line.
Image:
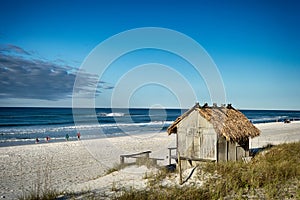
231,150
242,150
222,149
236,151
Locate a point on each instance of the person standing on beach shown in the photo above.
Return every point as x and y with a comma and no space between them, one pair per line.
36,140
67,137
78,135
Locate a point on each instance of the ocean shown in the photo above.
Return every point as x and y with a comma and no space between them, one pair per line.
20,126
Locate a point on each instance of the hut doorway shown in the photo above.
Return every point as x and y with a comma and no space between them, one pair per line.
200,143
208,146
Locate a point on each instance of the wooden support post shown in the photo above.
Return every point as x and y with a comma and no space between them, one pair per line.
170,154
179,168
226,150
235,152
121,159
249,145
217,151
147,154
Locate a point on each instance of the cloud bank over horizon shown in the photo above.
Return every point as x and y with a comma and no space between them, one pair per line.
24,75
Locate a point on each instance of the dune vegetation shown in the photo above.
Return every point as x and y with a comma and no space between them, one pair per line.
272,174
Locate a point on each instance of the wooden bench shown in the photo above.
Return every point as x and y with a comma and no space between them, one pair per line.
145,154
140,158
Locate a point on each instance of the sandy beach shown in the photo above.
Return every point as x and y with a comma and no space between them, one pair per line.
76,166
65,165
276,133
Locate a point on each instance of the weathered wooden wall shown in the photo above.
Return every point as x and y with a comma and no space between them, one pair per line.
196,137
222,149
231,150
186,130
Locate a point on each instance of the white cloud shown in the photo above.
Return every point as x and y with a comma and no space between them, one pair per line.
24,76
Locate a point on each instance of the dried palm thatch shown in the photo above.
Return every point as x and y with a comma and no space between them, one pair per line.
227,122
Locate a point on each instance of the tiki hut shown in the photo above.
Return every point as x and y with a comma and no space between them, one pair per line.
212,133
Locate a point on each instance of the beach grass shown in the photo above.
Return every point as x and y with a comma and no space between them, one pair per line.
185,193
42,186
272,174
34,195
116,167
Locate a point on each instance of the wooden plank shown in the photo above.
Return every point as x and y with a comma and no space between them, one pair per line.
144,154
197,159
208,145
136,154
190,142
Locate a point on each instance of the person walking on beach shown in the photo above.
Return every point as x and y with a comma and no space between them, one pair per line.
78,135
67,137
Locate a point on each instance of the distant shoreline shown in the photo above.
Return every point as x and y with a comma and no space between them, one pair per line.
264,126
21,126
169,108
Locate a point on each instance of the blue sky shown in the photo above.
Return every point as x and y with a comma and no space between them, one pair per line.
255,45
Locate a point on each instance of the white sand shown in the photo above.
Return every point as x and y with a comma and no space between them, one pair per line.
78,165
276,133
68,166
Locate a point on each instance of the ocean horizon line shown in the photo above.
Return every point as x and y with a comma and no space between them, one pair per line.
169,108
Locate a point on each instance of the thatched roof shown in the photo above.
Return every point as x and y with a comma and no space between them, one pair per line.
227,122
